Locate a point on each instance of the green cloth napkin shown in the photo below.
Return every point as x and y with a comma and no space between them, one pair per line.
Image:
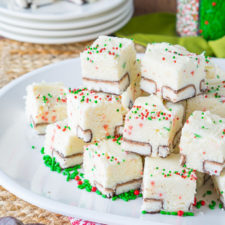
161,27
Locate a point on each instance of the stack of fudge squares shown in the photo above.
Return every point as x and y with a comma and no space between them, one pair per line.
155,124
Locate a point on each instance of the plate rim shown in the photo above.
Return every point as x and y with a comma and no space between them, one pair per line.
59,17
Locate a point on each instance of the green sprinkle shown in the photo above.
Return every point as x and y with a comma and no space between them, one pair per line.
189,214
197,135
33,147
143,212
42,150
198,205
166,128
44,99
114,198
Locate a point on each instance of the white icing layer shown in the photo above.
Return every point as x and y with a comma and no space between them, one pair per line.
172,68
105,163
96,114
152,124
46,103
164,182
203,142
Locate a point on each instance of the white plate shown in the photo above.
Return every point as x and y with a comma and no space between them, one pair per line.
62,10
68,24
42,40
66,33
23,173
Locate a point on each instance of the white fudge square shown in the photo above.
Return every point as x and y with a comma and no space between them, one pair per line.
108,167
219,185
214,74
167,186
202,144
94,115
152,127
109,65
63,144
46,103
172,72
213,99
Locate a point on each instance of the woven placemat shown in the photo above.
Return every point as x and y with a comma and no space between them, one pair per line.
16,59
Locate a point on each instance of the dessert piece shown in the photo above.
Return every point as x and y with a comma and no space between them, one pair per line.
63,144
152,127
108,167
202,144
214,74
172,72
164,185
108,65
213,100
94,115
219,185
45,104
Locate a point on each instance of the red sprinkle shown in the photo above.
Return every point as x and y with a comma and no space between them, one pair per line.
213,3
180,213
77,178
195,202
136,192
79,182
93,189
206,22
202,202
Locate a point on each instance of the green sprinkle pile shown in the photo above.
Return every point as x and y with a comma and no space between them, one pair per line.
71,173
51,163
176,213
127,196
